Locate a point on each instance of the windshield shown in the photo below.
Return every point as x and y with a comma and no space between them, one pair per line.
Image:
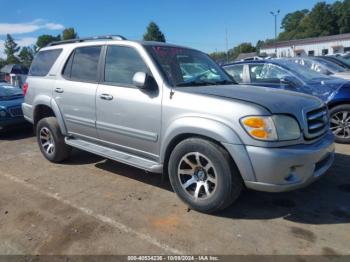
331,65
187,67
305,73
343,60
9,92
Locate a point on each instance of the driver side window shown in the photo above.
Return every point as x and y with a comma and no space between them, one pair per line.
266,73
122,63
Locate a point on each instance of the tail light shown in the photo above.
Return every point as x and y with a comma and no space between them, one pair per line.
25,88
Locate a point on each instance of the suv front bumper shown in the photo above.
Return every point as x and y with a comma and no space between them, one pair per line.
288,168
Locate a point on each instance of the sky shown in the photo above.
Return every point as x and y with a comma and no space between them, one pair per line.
200,24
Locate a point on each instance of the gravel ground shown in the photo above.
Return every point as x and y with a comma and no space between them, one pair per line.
90,205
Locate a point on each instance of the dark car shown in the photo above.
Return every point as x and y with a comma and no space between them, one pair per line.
285,74
337,60
11,99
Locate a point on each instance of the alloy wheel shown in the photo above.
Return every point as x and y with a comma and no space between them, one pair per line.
197,175
340,124
46,140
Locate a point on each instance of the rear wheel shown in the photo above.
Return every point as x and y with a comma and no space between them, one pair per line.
51,141
340,123
203,175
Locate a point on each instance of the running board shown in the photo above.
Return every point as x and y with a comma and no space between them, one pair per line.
129,159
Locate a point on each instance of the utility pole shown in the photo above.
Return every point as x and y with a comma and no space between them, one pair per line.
275,14
226,46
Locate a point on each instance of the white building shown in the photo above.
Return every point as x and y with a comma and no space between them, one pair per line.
325,45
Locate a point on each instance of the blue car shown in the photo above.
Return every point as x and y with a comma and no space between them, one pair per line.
11,99
285,74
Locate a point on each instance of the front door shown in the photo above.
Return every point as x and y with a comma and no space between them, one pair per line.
128,118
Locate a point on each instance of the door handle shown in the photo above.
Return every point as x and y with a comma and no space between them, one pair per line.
59,90
106,97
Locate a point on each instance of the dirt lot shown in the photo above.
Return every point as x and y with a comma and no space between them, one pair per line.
90,205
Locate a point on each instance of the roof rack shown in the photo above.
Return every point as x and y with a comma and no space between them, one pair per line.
79,40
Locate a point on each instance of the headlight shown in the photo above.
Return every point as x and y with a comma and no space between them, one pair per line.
271,128
2,113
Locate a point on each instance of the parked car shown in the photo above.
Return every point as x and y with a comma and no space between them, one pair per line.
337,60
285,74
342,60
136,103
15,74
323,66
11,99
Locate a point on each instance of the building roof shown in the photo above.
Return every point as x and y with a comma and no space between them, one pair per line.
305,41
246,55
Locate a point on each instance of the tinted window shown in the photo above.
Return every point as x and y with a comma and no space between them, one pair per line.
85,63
121,65
266,73
43,62
236,72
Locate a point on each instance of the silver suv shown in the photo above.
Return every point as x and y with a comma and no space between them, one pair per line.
166,108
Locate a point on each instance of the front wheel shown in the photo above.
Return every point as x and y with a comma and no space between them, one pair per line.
203,175
51,141
340,123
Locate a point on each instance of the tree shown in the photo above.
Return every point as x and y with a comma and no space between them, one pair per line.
341,11
241,48
293,26
321,21
153,33
26,56
11,48
218,56
2,62
44,40
69,33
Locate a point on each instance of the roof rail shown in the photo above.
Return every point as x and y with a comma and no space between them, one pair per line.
79,40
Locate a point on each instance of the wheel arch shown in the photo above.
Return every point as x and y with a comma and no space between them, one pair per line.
187,127
47,107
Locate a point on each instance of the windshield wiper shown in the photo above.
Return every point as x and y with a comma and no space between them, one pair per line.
225,82
195,83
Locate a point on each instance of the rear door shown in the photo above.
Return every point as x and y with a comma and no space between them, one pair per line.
128,118
75,91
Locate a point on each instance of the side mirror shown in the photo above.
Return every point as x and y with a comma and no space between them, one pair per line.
140,80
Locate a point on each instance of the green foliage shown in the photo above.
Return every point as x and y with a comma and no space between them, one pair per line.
44,40
233,53
153,33
69,33
11,48
218,56
26,56
241,48
323,20
2,62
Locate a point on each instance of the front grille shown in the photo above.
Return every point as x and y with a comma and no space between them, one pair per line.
16,111
317,122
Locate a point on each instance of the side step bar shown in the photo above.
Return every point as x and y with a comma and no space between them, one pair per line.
116,155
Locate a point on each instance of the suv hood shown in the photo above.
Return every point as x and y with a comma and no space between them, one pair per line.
275,100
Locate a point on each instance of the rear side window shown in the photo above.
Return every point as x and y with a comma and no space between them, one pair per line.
121,65
83,64
43,62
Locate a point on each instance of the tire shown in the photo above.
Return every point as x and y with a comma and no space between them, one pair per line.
212,184
51,141
340,123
